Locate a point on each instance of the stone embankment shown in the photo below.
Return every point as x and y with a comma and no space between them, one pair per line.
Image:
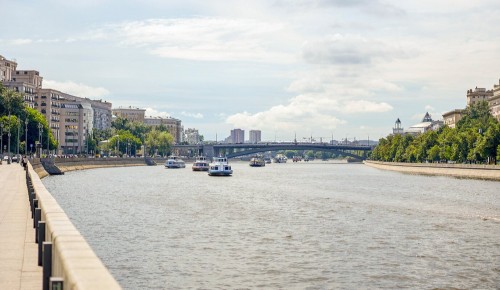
67,257
473,171
41,166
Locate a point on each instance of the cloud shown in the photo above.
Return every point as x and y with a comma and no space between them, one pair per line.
306,112
345,49
20,41
192,115
150,112
206,39
76,89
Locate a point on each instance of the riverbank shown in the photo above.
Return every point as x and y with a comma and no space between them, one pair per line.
472,171
72,164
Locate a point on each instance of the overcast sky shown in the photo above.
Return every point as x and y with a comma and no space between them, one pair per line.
314,68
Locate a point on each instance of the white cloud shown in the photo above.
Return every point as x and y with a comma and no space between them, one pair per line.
150,112
76,89
207,39
192,115
21,41
362,106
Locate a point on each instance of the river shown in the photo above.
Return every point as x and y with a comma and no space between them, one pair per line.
316,225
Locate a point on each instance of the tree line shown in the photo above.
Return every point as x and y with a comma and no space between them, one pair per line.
475,139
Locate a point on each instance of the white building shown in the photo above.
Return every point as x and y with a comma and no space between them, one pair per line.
424,126
192,136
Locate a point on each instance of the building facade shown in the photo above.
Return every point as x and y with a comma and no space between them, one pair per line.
131,114
76,123
102,114
192,136
174,126
48,103
397,130
451,118
255,136
477,95
494,102
237,136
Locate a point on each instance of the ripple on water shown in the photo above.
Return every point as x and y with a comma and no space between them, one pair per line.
299,226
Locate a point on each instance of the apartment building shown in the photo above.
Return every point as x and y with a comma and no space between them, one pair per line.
76,124
102,114
174,126
255,136
130,113
494,102
26,82
192,136
451,118
237,136
477,95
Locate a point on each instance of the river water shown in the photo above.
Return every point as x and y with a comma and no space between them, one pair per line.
286,226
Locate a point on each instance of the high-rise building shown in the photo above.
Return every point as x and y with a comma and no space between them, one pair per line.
102,114
255,136
237,136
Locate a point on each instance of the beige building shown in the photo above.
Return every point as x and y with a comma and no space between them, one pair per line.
76,124
174,126
451,118
131,114
477,95
48,102
26,82
494,102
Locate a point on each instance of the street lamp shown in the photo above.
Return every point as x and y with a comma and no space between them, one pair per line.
18,123
40,131
26,137
1,139
48,140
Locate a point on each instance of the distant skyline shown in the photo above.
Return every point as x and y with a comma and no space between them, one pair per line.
310,68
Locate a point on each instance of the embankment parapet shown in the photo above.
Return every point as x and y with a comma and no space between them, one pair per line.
72,258
473,171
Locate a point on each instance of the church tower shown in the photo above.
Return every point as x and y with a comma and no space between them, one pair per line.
397,128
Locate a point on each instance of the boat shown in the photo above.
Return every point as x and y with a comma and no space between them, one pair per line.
267,160
220,167
174,162
257,161
201,164
280,158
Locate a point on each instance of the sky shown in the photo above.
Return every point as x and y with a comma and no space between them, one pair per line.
315,68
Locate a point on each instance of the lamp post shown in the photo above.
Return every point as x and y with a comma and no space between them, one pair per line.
26,137
1,140
18,129
40,132
48,140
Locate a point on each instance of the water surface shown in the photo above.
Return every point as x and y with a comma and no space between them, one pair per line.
286,226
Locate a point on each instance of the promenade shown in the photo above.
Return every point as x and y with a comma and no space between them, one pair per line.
18,250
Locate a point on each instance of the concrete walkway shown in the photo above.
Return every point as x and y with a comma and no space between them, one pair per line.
18,250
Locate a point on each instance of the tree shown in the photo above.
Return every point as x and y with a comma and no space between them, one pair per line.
159,142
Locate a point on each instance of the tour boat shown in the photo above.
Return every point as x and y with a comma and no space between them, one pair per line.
257,162
280,158
201,164
267,160
174,162
220,167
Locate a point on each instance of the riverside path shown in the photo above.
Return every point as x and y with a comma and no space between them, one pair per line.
18,250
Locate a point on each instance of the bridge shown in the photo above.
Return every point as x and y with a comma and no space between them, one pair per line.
236,150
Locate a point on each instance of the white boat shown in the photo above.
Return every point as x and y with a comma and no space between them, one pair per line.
174,162
201,164
257,161
267,160
220,167
280,158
